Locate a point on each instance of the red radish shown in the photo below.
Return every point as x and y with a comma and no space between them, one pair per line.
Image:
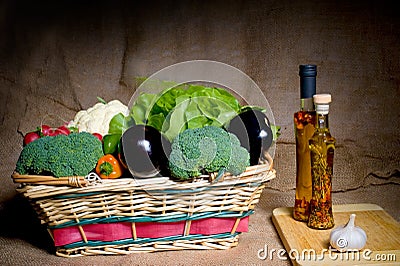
99,136
53,133
45,130
31,136
62,130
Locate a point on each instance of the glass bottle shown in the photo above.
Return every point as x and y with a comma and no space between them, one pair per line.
304,127
322,147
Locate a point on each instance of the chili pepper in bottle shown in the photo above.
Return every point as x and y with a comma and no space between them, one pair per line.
108,167
304,127
322,147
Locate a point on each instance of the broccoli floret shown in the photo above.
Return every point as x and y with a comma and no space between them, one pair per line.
206,150
239,161
181,167
33,158
62,155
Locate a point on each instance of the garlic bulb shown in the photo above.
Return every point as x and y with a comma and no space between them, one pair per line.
348,237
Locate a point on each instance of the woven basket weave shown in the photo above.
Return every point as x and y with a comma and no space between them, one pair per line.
72,202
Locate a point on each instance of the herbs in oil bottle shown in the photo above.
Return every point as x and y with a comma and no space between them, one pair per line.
322,147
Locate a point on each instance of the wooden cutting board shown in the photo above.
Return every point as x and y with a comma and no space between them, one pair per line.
306,246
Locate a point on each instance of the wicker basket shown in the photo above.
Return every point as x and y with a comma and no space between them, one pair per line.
125,211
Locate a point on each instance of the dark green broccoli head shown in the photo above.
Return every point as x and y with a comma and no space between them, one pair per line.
239,161
182,167
206,150
72,155
33,158
88,149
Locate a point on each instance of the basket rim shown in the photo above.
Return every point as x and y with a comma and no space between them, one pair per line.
157,185
265,165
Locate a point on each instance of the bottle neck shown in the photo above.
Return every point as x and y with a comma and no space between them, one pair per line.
322,121
307,104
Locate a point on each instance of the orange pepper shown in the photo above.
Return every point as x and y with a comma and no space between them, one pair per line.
108,167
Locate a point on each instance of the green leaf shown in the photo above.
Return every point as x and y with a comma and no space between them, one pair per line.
101,100
138,113
208,107
177,121
157,121
276,132
225,117
71,129
167,100
119,123
192,111
199,121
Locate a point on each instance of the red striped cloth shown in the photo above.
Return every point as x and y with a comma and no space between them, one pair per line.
123,230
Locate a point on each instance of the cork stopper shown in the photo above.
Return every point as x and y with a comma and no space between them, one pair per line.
322,102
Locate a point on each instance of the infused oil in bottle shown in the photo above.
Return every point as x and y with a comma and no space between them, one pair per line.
322,147
304,127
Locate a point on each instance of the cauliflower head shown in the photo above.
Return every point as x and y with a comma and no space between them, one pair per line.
96,119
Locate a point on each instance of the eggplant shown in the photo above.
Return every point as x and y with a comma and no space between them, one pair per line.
145,151
253,129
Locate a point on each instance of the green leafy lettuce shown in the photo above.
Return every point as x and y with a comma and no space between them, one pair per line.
186,106
182,107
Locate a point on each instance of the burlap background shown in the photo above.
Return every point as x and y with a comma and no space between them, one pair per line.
56,57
